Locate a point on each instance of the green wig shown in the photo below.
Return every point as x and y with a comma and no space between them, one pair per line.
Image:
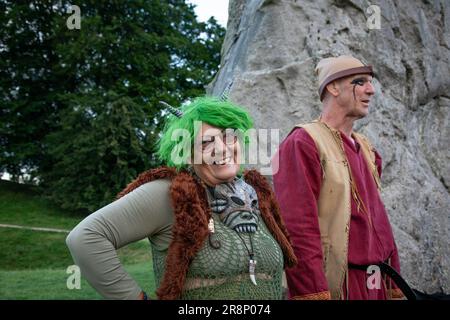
211,110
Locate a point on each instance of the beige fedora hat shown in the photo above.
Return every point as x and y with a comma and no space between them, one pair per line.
330,69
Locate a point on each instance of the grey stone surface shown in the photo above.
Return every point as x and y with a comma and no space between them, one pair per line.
270,51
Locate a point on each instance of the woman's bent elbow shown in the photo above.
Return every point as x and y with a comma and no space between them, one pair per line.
73,241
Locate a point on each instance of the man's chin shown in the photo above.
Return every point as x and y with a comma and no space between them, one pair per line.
362,113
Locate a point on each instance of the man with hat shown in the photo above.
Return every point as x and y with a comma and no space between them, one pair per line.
328,187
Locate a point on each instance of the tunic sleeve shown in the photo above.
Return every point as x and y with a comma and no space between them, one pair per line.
144,212
297,182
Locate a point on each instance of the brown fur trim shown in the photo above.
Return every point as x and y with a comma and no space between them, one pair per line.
147,176
324,295
192,213
270,212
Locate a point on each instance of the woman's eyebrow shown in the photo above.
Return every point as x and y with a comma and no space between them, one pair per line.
229,130
207,137
221,132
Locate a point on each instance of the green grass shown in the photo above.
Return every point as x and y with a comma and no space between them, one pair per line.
49,284
23,205
33,263
27,250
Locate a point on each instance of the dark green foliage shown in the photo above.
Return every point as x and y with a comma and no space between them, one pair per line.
79,111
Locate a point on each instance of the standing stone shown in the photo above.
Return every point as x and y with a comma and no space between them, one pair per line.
270,52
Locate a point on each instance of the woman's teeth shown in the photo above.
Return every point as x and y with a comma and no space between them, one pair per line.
221,162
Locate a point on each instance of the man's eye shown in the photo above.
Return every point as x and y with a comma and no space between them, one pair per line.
359,82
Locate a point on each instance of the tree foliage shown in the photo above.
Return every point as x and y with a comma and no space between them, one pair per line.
79,108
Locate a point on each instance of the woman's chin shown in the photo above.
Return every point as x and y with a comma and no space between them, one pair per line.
225,172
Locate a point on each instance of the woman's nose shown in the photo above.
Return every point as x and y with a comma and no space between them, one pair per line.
220,148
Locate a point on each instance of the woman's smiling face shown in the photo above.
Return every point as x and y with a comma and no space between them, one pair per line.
220,153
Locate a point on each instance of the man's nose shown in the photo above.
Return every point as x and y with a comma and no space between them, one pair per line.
369,88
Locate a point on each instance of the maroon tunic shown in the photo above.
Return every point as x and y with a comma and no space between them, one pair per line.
297,187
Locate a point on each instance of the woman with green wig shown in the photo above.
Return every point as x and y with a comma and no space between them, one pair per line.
215,230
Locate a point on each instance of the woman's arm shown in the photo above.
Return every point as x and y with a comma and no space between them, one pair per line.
145,212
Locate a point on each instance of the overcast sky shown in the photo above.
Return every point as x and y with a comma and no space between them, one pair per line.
216,8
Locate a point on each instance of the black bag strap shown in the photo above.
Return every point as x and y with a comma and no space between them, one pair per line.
399,281
394,275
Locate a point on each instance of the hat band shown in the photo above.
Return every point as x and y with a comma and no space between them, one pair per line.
342,74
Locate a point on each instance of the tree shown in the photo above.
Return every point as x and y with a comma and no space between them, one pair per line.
80,108
27,90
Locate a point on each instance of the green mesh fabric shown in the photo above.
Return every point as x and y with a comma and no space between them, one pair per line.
224,273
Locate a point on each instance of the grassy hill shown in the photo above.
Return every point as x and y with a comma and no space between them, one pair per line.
33,263
21,204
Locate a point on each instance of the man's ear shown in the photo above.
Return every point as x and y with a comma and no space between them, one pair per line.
333,88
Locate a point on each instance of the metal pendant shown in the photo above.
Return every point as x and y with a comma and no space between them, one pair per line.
211,225
251,270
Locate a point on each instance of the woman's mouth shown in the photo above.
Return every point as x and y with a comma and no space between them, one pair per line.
223,161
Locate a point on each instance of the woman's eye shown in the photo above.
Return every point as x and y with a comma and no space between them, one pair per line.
207,141
229,138
207,145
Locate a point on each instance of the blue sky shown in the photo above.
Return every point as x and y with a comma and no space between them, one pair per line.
207,8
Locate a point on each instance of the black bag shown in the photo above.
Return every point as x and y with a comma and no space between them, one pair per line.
410,294
434,296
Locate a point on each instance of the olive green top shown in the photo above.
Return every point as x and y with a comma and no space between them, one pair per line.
146,212
223,273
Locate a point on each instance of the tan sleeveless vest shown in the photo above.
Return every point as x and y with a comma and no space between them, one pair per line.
334,203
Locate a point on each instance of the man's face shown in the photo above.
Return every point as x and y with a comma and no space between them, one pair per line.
355,93
220,154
